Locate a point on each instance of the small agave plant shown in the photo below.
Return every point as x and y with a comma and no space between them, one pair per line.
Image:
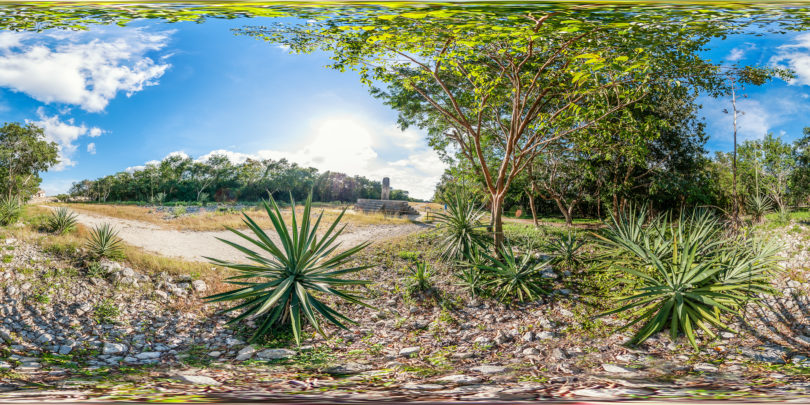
289,275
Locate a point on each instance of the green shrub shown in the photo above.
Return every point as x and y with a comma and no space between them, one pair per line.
10,210
566,250
688,273
410,256
106,311
758,206
461,224
420,277
468,272
179,210
510,278
62,220
281,284
104,242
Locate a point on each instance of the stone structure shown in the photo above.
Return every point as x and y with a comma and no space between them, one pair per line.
386,189
385,205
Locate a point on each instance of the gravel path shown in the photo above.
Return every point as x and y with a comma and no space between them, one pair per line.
194,246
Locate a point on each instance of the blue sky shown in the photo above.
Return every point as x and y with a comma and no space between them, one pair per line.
118,97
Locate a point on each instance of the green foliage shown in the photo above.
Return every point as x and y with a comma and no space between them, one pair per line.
758,206
468,272
689,274
408,255
283,282
179,210
512,278
10,210
104,242
106,311
62,220
566,249
461,224
24,153
420,277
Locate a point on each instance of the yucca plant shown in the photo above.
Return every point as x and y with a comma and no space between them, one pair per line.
758,206
461,224
287,278
62,220
420,276
10,210
566,249
468,271
689,275
511,278
104,242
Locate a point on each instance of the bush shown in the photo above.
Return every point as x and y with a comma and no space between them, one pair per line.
62,220
419,279
104,242
281,285
469,274
511,278
758,206
179,210
10,210
566,249
688,273
460,223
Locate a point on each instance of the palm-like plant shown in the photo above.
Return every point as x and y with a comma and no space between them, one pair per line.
461,224
514,278
758,206
566,249
469,271
104,242
10,210
62,220
420,276
281,284
689,274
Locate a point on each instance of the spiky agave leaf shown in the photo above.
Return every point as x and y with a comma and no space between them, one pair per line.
566,249
694,283
285,278
461,224
104,242
514,278
62,220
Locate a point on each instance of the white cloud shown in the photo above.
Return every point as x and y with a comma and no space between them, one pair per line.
64,133
78,68
738,53
91,148
796,56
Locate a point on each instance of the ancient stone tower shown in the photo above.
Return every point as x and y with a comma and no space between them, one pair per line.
386,189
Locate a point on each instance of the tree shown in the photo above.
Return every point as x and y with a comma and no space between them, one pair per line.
520,81
800,178
24,153
559,175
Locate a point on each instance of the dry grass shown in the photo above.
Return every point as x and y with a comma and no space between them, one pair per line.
217,221
69,245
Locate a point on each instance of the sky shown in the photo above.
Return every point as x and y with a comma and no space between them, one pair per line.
115,98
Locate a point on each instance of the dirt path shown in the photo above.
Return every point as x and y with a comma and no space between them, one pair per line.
195,245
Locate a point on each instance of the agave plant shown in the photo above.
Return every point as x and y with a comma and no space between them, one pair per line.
420,276
511,278
468,271
104,242
287,278
566,249
461,224
758,206
689,274
10,210
62,220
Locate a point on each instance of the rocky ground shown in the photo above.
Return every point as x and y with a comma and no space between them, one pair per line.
83,330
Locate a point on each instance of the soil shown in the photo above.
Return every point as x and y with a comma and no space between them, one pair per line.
196,246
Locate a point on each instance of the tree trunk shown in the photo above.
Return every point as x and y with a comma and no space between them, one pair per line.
534,212
497,220
566,213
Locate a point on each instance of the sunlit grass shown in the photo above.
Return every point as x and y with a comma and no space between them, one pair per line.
218,220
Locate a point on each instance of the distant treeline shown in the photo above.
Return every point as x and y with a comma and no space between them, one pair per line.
181,178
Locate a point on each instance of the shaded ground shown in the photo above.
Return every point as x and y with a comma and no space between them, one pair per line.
195,246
